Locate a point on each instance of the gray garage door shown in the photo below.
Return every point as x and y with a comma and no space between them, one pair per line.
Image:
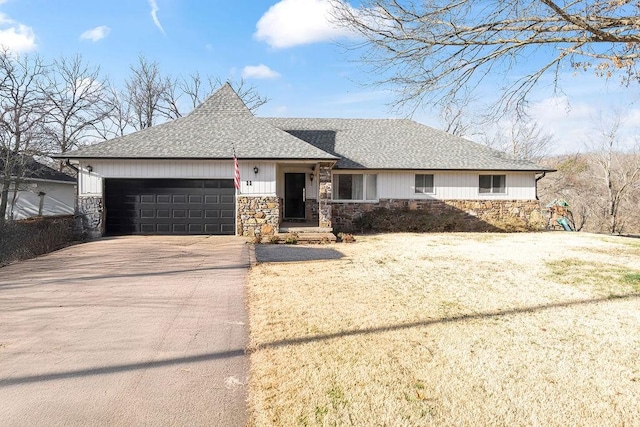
169,206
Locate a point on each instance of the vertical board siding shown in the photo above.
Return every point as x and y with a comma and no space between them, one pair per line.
263,183
454,185
448,185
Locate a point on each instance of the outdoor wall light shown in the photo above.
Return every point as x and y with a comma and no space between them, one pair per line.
311,176
255,170
89,168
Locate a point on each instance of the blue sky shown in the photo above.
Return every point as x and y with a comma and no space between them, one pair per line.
285,48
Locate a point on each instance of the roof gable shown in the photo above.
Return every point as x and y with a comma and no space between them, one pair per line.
216,129
224,103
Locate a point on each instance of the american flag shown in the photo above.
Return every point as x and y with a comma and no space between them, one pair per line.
236,176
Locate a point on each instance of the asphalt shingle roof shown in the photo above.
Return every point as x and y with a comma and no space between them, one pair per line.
212,130
397,144
222,122
29,168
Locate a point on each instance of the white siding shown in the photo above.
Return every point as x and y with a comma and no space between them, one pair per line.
262,183
58,199
454,185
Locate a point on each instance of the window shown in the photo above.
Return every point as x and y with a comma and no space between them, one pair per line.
424,184
355,186
492,183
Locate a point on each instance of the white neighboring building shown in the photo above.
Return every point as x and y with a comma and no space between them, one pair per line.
42,192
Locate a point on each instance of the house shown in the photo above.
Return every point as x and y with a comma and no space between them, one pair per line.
178,177
38,190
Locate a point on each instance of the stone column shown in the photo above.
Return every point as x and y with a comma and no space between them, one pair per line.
90,210
325,195
258,216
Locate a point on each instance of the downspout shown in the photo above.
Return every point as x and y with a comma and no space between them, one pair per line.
76,208
538,178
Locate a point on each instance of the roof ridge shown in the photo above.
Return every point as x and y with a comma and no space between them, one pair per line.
341,118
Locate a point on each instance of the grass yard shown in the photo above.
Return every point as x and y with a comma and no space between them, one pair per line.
447,329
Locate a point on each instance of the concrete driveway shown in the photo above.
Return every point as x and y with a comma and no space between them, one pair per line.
126,331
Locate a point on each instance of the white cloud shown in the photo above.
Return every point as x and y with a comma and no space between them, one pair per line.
259,72
15,36
296,22
95,34
154,14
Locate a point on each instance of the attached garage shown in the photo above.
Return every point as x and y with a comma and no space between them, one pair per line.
169,206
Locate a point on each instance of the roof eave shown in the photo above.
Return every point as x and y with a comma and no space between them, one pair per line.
62,156
536,170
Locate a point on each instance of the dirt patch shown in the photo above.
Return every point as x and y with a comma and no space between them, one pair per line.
462,329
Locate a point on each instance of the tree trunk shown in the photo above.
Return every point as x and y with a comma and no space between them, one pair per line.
4,199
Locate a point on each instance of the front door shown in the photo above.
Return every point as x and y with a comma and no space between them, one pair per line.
294,195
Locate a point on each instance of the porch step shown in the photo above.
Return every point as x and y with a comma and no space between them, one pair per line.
309,237
304,229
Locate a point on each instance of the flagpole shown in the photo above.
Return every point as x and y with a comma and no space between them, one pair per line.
236,185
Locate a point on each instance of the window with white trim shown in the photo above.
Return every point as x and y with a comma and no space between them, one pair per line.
488,184
355,186
424,183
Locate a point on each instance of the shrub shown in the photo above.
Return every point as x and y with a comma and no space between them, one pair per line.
418,221
35,236
346,238
275,239
291,238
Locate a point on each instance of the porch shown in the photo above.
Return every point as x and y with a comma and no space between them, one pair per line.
306,232
304,192
299,201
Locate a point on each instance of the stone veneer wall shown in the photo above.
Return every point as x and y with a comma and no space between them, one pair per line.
325,196
311,210
90,216
258,216
490,211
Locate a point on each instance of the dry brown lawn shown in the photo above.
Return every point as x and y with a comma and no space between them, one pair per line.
447,329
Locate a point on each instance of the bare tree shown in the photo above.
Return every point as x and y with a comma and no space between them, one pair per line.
197,89
77,104
23,108
521,138
248,93
620,173
455,116
572,182
120,118
146,90
434,49
151,96
602,186
169,107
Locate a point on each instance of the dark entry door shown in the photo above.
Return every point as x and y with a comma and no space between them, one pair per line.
294,195
170,206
